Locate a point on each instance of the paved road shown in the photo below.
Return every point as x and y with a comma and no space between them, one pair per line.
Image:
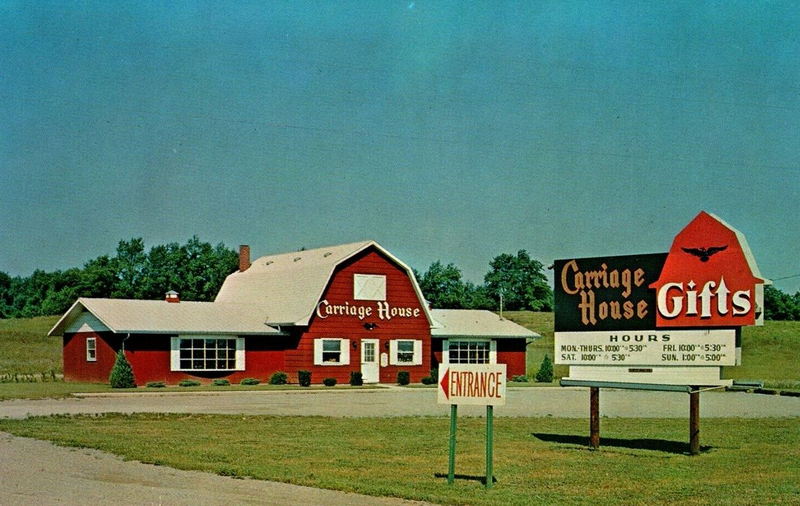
37,472
556,402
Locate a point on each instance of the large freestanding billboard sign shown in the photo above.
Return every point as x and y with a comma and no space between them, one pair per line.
658,318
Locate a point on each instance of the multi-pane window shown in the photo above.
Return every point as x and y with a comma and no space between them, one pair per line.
208,354
91,349
469,352
405,352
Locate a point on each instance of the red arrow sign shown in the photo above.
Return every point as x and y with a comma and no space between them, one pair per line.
445,383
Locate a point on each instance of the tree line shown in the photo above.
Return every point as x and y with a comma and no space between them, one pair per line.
196,270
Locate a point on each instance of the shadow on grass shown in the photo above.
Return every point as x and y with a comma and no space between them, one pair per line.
661,445
467,477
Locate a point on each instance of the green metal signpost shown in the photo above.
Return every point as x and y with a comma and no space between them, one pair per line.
472,384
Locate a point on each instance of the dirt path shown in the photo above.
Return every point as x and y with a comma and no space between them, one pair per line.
40,473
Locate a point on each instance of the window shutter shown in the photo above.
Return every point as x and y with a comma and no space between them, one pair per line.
345,351
446,352
493,351
240,353
175,354
417,353
317,351
392,352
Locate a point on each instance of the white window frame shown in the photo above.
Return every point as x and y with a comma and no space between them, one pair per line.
394,352
175,353
492,348
369,287
344,351
91,350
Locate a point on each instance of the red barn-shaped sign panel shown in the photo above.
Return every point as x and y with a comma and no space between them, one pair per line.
707,279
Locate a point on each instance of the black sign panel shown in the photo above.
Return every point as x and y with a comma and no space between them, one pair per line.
606,293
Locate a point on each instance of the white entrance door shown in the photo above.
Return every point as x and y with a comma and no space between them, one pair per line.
369,361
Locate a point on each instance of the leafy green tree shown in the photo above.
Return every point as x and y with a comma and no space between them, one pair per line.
442,286
121,374
98,278
521,281
130,265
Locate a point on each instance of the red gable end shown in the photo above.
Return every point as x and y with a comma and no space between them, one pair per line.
706,280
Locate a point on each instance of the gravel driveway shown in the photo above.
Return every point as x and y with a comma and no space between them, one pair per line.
569,402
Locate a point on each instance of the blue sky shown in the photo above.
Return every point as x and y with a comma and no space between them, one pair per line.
450,131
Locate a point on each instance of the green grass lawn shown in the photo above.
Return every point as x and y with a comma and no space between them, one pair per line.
537,460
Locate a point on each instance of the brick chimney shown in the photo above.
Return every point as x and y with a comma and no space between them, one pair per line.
244,257
172,296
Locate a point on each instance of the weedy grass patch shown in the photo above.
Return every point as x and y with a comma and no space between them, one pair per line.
25,348
537,460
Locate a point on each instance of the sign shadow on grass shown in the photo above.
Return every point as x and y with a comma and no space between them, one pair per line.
467,477
661,445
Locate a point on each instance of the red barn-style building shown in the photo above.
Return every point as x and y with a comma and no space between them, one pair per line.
330,311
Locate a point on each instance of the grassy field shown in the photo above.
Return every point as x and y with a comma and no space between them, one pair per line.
537,461
25,347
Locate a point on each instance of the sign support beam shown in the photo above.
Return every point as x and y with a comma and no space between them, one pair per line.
694,422
594,417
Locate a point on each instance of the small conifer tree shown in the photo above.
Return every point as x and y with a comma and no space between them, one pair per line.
121,374
545,373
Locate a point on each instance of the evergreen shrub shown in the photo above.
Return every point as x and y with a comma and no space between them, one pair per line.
329,382
545,373
121,374
356,378
278,378
403,378
304,378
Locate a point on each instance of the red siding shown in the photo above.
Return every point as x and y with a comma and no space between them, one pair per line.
77,368
512,353
399,293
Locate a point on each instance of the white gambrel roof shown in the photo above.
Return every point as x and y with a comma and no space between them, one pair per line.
476,323
160,317
288,286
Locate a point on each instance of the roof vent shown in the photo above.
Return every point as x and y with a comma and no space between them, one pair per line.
327,254
268,262
297,258
172,296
